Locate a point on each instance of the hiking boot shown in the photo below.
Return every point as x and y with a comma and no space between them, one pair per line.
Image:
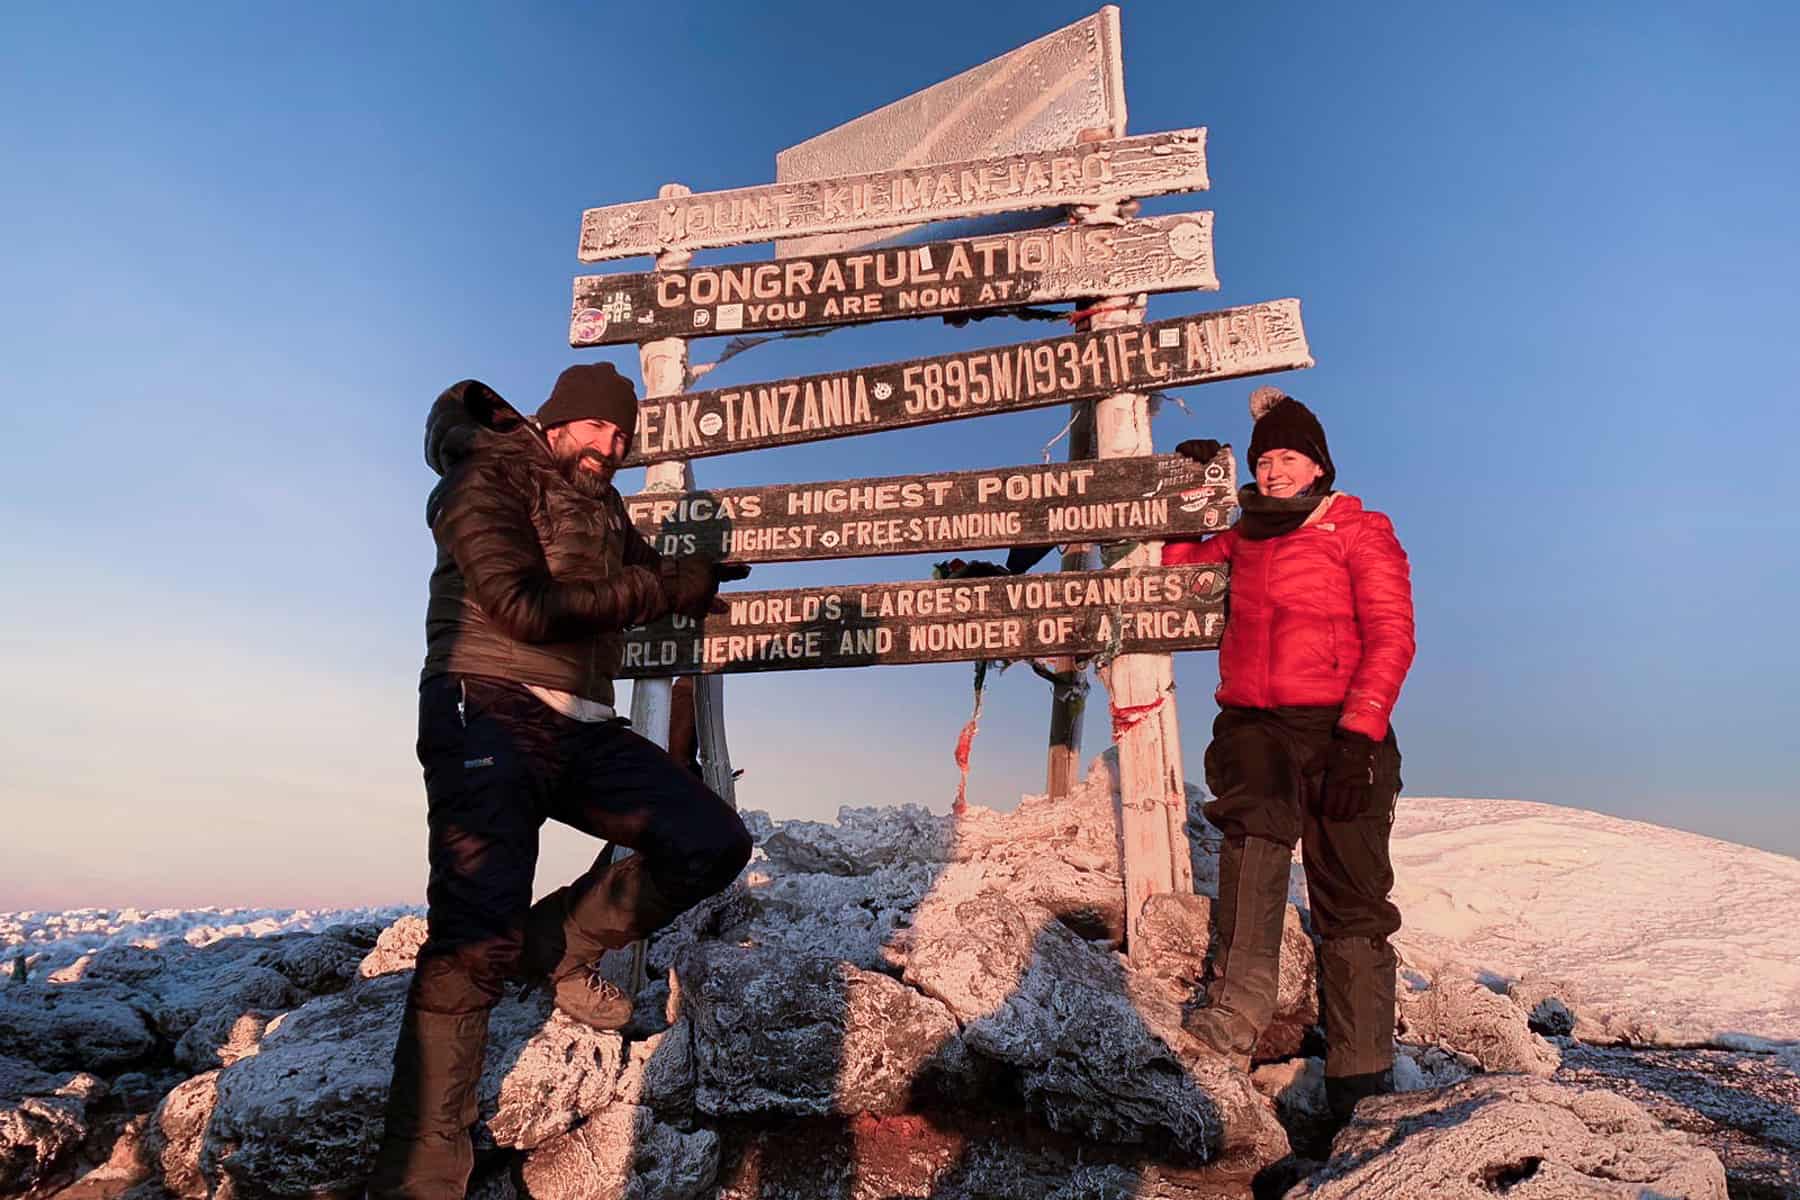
1343,1092
1224,1033
586,996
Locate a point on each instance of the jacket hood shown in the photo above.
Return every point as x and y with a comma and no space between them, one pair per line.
466,416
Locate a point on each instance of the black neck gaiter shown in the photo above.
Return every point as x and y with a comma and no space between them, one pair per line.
1261,517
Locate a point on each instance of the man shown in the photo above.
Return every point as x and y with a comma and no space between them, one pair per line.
538,571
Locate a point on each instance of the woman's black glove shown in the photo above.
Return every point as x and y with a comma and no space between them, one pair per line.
975,568
1200,450
1350,774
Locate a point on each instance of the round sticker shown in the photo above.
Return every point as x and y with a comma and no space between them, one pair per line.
590,325
711,423
1187,241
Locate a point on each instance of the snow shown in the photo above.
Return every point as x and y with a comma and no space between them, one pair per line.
1687,934
50,940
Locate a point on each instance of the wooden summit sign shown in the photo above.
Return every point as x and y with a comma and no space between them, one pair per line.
1125,499
1145,610
1227,344
1161,254
1093,173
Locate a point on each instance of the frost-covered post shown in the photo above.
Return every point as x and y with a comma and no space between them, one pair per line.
1141,688
663,364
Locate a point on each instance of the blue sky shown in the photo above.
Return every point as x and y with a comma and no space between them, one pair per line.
1547,257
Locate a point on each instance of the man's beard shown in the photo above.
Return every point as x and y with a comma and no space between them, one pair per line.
588,483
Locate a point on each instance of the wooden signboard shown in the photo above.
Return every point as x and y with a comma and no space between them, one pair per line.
1161,254
1227,344
1092,173
1127,499
1032,98
1081,613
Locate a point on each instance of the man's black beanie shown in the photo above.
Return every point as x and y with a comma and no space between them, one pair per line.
591,392
1283,423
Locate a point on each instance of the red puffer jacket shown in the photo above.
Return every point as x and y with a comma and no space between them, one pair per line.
1319,616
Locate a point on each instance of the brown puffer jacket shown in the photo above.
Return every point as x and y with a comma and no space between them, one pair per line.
534,580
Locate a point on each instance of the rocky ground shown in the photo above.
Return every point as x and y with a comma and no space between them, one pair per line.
891,1005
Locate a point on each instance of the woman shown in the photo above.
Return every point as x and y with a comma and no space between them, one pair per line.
1318,639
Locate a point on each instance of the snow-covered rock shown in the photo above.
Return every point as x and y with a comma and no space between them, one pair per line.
659,1070
1515,1136
44,1119
862,840
624,1152
177,1135
1558,1008
305,1112
395,949
774,1034
1454,1011
1746,1105
977,1158
1097,1056
860,919
85,1027
221,1037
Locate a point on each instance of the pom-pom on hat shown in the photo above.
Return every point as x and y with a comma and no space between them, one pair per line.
591,392
1283,423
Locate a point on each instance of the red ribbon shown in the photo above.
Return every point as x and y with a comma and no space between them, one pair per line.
1125,719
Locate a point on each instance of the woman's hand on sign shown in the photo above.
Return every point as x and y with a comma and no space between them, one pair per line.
1201,450
975,568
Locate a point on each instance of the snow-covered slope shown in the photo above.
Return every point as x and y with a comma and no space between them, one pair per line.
1690,934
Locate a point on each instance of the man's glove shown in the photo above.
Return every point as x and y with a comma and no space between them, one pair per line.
1351,771
690,582
1200,450
977,568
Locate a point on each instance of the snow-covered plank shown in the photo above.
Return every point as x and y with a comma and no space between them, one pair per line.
1093,173
1230,343
1077,613
1126,500
1161,254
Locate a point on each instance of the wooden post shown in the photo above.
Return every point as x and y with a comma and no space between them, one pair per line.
1141,687
1068,702
663,364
